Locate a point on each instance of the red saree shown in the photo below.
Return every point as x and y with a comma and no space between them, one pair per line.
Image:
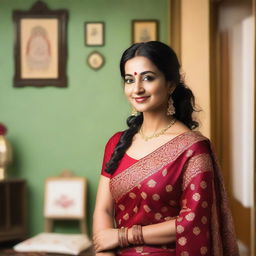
179,180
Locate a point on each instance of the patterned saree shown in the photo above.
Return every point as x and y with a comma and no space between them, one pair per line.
181,181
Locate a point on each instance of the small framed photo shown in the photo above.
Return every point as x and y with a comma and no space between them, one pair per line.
144,30
40,46
65,197
94,33
95,60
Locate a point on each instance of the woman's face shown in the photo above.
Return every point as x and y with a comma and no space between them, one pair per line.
145,85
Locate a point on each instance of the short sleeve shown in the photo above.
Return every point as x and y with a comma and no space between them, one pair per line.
109,149
193,224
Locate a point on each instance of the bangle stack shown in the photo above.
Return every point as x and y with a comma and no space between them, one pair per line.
137,235
123,237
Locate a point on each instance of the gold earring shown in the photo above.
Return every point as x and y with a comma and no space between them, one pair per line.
170,108
134,112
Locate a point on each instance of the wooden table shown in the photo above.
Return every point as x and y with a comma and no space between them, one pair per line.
11,252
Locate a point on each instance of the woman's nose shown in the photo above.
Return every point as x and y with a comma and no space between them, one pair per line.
138,87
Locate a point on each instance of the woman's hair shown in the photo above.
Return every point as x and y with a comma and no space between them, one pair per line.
165,59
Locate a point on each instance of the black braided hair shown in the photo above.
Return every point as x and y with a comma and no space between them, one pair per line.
165,59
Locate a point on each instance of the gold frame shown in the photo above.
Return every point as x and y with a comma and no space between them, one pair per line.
149,29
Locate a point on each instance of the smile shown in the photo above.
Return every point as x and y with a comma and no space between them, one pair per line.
141,99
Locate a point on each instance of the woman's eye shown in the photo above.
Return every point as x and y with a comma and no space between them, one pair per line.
128,80
148,78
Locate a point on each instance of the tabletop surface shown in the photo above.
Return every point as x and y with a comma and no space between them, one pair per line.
11,252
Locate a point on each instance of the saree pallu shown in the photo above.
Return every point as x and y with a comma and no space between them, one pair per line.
180,180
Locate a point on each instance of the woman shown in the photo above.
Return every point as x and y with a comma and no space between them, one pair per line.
161,192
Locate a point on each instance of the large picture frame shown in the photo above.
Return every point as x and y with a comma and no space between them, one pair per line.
40,46
94,33
144,30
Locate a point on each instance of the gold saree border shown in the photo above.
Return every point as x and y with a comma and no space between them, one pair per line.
197,164
125,181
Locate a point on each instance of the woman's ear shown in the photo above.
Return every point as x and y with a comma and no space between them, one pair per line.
171,86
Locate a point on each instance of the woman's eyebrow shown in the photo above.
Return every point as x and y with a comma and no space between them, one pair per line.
143,73
146,72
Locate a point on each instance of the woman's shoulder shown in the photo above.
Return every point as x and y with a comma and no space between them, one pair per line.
116,136
191,139
113,140
185,134
196,142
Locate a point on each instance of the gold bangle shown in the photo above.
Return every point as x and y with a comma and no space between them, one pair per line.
123,237
126,237
141,238
137,235
120,241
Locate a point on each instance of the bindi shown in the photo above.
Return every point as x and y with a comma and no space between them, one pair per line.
135,73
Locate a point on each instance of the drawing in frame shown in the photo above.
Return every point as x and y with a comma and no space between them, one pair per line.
144,30
40,46
94,33
65,197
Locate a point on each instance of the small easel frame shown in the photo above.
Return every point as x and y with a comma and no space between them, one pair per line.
65,198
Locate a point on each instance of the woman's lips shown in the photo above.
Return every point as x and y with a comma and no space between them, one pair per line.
141,99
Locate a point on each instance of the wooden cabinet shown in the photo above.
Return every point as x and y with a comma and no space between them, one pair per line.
12,209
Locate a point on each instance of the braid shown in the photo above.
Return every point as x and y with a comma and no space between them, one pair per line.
134,123
184,103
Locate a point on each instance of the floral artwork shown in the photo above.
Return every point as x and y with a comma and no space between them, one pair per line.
38,49
65,197
40,46
64,201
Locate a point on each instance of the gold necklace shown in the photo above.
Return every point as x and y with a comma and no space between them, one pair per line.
156,134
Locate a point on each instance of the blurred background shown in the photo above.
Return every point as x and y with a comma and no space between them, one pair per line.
52,128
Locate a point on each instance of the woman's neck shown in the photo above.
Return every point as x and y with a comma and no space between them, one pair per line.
153,122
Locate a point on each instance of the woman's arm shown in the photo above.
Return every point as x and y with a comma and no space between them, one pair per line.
106,236
160,233
103,213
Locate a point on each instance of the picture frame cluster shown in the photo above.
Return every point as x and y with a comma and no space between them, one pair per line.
40,45
142,31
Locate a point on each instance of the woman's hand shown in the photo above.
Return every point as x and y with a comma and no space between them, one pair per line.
105,254
105,239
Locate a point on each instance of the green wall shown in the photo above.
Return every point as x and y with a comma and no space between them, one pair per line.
51,128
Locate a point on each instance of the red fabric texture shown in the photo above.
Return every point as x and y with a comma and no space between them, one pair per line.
109,149
179,180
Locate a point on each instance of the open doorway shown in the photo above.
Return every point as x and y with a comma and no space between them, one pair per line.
233,109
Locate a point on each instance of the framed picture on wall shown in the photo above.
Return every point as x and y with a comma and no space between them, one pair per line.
40,46
65,197
94,33
144,30
95,60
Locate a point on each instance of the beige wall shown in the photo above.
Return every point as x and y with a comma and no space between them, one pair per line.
195,55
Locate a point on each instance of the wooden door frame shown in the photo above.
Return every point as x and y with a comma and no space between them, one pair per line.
216,115
175,42
175,26
253,238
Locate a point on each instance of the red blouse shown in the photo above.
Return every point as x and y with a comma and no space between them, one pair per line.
125,162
